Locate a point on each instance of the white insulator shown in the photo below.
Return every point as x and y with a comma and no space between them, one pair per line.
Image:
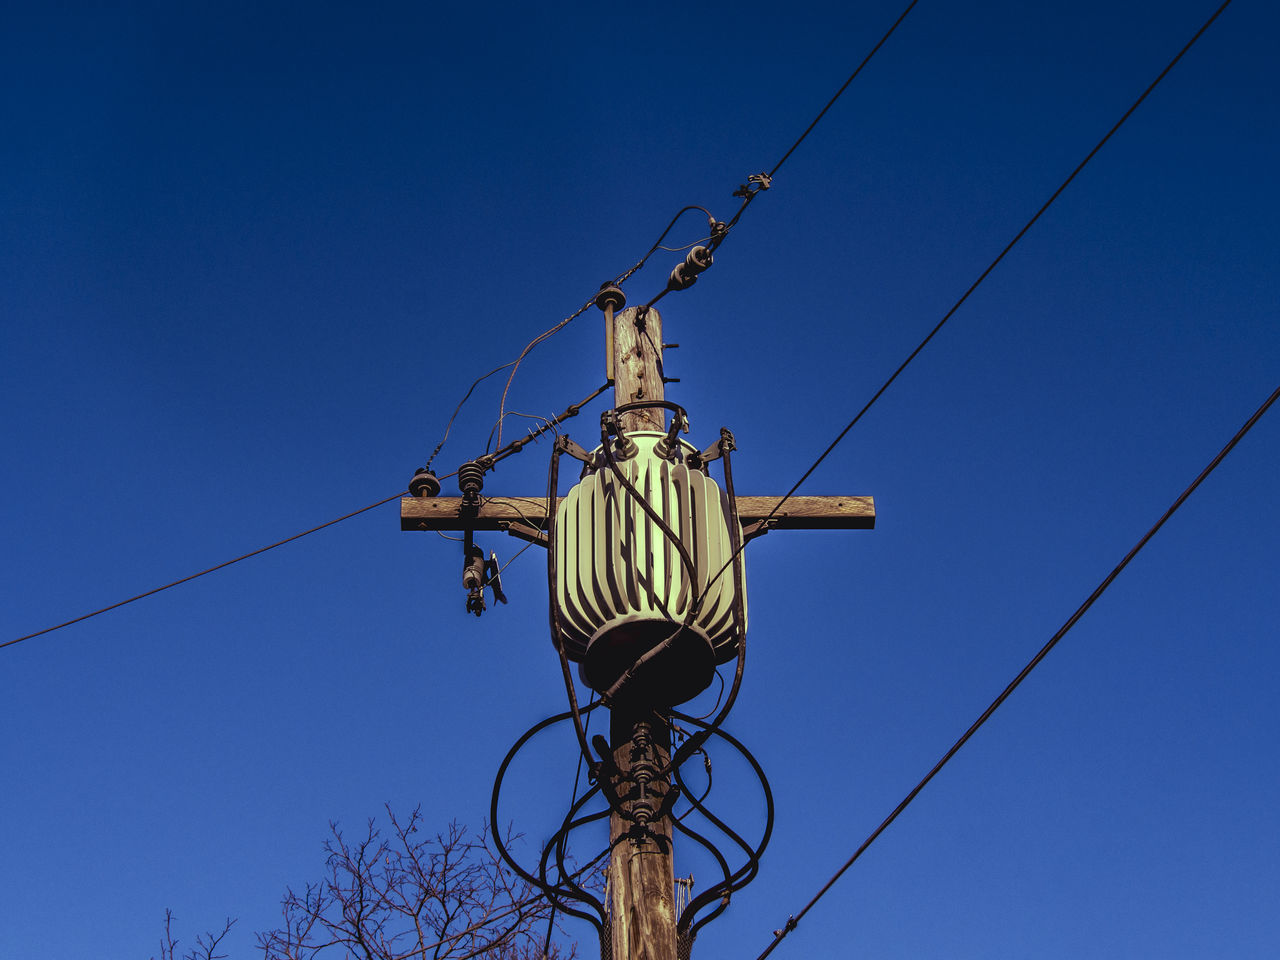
622,586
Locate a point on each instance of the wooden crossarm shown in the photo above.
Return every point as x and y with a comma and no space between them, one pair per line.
798,513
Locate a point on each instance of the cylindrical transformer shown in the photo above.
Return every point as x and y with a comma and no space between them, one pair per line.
623,587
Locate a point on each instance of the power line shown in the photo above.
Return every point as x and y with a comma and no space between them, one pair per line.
758,183
719,231
458,409
194,576
830,103
974,286
619,279
991,266
1026,671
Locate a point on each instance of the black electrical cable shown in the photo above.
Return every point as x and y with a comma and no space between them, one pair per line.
688,922
548,422
573,801
458,409
719,232
990,267
194,576
830,103
762,182
983,276
616,281
515,364
598,917
1026,671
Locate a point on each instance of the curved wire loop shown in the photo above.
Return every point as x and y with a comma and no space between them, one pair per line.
559,842
649,405
710,848
745,874
554,893
566,886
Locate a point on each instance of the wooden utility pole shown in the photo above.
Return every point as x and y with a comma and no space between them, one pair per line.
642,908
641,883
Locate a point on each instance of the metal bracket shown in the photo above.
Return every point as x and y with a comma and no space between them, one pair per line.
756,183
726,444
565,445
699,461
523,531
493,577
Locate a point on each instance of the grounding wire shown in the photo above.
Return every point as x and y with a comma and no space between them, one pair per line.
194,576
1026,671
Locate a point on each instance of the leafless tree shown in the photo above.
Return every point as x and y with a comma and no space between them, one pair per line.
406,894
205,946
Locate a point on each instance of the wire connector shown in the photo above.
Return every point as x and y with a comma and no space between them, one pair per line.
756,183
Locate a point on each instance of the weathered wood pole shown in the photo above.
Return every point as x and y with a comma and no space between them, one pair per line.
641,874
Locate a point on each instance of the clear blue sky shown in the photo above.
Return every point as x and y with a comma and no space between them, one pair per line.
251,255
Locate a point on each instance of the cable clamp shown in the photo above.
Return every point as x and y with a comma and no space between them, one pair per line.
565,445
699,461
523,531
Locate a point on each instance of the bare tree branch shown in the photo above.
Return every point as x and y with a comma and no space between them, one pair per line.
410,895
206,943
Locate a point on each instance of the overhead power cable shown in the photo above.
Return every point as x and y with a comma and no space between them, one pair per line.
195,576
1000,256
758,183
546,334
830,103
719,231
1034,662
974,286
992,265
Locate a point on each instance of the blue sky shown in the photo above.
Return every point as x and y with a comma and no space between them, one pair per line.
254,254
